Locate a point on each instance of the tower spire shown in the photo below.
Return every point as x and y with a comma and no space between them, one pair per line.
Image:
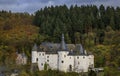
63,44
63,37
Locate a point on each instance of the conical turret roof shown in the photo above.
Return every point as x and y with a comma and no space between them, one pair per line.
79,49
34,47
63,46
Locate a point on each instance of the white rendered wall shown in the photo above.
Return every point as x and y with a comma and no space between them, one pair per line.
81,63
63,60
24,61
34,56
91,61
41,60
69,63
52,61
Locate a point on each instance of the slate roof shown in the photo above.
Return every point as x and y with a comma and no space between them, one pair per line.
63,46
34,47
53,48
79,49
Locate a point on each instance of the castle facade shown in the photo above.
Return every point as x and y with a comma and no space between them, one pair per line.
62,56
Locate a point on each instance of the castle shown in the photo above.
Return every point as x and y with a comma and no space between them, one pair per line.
63,57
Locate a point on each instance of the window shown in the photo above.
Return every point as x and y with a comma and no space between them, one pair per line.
70,57
83,57
39,54
47,60
43,54
70,67
77,57
62,61
64,55
78,62
41,64
36,59
47,56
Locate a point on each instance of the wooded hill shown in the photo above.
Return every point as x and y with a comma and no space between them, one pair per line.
96,28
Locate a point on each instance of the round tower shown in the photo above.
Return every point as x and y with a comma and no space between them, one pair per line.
34,54
62,56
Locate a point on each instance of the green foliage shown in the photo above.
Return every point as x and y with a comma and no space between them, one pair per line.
109,71
54,73
77,37
17,34
97,29
23,73
91,73
45,66
60,19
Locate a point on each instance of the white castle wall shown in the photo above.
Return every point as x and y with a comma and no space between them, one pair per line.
63,61
52,61
69,63
91,60
41,60
34,56
82,63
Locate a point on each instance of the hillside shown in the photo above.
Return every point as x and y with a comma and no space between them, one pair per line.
96,28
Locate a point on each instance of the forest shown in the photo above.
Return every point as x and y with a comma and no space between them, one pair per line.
96,28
